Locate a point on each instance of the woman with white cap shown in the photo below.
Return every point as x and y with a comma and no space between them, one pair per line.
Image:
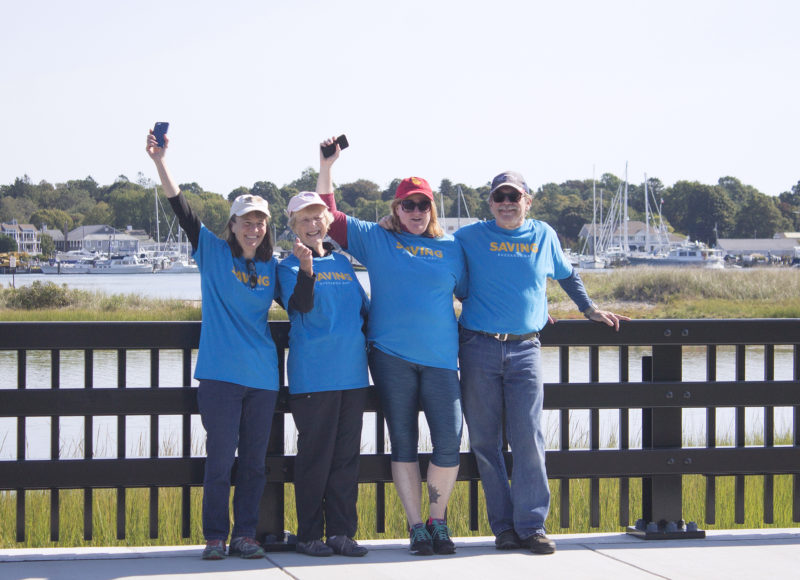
328,381
237,366
413,343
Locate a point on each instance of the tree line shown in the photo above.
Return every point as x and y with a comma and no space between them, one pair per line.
728,209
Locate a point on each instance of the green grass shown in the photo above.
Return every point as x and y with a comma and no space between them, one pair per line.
648,292
104,505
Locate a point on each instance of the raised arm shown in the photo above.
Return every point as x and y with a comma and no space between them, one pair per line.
338,229
189,221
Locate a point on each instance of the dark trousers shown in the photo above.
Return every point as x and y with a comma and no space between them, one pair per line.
326,467
234,417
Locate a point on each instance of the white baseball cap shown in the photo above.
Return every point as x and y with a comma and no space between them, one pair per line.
303,200
247,203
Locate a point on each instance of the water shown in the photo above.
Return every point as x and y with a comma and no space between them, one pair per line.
178,286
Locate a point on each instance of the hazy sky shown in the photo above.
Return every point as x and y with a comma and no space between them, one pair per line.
442,89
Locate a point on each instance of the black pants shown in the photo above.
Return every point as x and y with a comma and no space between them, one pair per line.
326,467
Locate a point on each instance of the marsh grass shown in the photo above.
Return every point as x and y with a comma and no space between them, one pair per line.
649,292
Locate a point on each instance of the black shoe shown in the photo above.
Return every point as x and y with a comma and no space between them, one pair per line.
507,540
316,548
420,541
440,534
345,546
539,544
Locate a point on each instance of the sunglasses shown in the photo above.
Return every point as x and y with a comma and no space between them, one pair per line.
410,205
251,269
501,196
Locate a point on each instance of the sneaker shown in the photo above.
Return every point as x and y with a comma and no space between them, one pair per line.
440,534
214,550
314,548
539,544
245,547
420,541
507,540
345,546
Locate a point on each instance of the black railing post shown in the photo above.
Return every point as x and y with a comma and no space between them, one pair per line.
662,428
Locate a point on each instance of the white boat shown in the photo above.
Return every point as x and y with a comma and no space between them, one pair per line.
179,267
121,265
688,254
67,268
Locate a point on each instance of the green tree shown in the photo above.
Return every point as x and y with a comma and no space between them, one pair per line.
100,214
55,219
7,243
48,245
306,182
277,200
704,212
371,210
237,192
361,189
760,217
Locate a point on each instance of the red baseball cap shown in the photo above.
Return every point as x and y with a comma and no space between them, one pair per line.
412,185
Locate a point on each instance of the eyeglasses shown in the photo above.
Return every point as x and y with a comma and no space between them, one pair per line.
501,196
251,269
410,205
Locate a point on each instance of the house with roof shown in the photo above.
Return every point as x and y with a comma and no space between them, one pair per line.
26,236
745,248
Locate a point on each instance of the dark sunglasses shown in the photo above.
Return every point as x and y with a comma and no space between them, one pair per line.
501,196
410,205
251,269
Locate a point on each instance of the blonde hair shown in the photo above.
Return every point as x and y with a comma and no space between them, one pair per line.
434,230
327,216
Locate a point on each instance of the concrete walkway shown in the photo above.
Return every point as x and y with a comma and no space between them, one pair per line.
771,554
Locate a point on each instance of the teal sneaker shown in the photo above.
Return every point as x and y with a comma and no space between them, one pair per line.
245,547
420,541
440,534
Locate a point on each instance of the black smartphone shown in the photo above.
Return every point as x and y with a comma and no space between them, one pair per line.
328,150
159,131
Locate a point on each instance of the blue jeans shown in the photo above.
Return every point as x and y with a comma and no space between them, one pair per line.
405,386
234,416
506,375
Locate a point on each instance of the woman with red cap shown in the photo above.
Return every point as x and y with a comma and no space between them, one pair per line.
412,336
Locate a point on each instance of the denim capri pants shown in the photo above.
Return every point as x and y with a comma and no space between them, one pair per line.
404,387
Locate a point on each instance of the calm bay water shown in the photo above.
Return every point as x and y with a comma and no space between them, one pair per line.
187,287
179,286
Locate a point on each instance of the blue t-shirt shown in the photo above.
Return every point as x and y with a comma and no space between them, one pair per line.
327,349
412,279
235,341
508,271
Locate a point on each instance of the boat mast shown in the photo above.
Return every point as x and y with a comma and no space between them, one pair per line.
625,244
158,233
646,219
594,216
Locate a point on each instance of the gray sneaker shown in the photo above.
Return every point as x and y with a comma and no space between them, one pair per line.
345,546
245,547
316,548
214,550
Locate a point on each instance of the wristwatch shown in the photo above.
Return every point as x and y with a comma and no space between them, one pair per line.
590,310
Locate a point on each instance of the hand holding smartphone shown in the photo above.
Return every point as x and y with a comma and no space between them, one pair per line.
328,150
159,131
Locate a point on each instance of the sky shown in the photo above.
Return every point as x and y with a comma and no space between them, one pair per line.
681,90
